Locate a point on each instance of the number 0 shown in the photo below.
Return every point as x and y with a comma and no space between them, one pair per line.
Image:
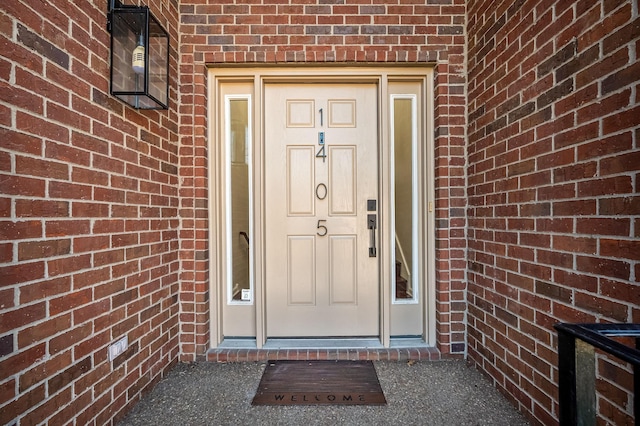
321,191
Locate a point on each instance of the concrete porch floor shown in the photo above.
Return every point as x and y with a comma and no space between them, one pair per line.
417,393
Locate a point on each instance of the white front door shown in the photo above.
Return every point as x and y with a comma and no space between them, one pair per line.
321,191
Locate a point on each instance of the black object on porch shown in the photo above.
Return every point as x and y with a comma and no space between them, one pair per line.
576,366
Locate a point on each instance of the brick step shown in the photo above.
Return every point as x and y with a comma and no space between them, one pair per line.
386,354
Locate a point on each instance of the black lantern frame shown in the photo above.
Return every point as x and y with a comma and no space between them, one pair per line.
139,74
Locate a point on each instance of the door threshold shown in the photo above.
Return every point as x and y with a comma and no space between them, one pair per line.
331,343
334,343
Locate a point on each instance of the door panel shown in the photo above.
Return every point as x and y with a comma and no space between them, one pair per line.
301,256
300,113
343,259
320,280
342,180
342,113
300,180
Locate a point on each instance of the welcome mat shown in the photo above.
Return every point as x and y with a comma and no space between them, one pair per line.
319,383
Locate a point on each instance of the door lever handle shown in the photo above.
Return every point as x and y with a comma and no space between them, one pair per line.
372,224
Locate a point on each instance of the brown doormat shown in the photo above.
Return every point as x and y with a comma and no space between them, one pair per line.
319,383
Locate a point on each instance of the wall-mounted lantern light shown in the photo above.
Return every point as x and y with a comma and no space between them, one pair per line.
139,56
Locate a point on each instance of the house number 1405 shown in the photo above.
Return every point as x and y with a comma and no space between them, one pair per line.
321,189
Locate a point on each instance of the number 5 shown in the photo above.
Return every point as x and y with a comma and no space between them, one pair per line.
321,226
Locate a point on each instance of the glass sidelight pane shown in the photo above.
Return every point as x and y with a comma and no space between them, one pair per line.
405,194
238,208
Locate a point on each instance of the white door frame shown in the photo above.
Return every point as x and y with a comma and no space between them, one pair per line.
255,79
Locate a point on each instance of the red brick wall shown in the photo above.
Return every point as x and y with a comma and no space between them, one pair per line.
103,209
350,31
553,183
88,220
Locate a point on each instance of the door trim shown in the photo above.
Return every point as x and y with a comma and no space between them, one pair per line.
257,78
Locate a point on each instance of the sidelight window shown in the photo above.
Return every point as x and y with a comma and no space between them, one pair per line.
405,177
238,170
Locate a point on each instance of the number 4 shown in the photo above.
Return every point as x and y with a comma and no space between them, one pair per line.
321,154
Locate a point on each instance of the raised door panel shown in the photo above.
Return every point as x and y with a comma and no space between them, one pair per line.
343,278
300,181
301,270
342,180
